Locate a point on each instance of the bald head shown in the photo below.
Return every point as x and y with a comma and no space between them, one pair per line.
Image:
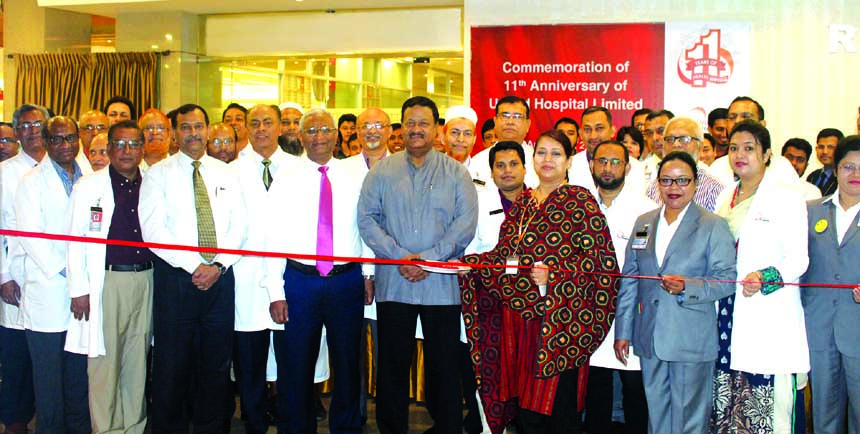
264,124
92,122
374,129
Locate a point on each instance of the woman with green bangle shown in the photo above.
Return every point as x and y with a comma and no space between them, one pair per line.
764,356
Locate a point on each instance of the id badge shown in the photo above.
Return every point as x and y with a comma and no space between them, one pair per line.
96,215
639,243
512,262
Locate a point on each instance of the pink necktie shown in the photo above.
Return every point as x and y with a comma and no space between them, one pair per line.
325,233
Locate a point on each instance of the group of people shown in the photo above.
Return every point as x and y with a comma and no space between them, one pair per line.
691,266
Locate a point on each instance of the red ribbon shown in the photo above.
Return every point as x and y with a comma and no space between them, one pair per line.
452,265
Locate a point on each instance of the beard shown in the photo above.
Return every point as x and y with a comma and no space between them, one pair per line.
607,185
290,146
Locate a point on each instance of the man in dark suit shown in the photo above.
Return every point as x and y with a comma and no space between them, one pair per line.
825,143
832,313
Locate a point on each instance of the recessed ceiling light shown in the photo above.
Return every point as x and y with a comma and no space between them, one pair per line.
168,36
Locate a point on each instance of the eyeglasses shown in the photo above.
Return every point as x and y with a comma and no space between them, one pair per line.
614,162
743,116
684,140
130,144
8,140
849,168
58,140
465,133
155,129
682,181
511,116
312,131
30,125
221,142
374,125
90,128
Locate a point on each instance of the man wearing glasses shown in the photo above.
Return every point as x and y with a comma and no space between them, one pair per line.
317,199
685,134
621,203
91,124
111,286
17,405
511,124
156,136
59,377
8,142
597,128
222,142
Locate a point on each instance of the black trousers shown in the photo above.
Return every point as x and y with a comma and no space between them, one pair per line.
565,419
193,332
250,354
598,405
442,356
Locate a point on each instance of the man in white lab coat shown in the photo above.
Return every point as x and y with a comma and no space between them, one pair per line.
111,286
17,405
59,377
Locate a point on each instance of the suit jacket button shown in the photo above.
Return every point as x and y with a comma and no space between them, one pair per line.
656,301
837,276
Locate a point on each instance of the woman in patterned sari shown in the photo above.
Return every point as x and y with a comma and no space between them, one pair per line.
763,356
532,329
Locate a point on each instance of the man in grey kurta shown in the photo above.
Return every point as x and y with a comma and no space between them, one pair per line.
418,204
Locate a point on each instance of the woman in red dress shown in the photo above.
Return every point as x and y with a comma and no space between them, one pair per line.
532,329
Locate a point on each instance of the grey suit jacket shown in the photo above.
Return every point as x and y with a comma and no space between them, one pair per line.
673,327
831,314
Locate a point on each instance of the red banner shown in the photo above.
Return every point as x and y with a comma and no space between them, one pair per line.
563,69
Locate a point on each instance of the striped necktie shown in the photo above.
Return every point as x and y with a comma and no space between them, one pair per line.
267,176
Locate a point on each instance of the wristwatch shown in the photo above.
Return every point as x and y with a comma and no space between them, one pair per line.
221,268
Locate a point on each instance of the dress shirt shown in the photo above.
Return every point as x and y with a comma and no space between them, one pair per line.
168,215
708,189
296,203
11,173
649,167
665,232
68,182
479,167
125,225
430,211
844,218
621,217
264,220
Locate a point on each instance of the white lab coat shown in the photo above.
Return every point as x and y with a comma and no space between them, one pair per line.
490,218
621,217
86,261
41,206
769,331
252,298
12,171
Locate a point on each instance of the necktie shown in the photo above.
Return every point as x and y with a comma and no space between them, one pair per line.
822,179
205,222
325,233
267,176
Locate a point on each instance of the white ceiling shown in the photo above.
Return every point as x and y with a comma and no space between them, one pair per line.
204,7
